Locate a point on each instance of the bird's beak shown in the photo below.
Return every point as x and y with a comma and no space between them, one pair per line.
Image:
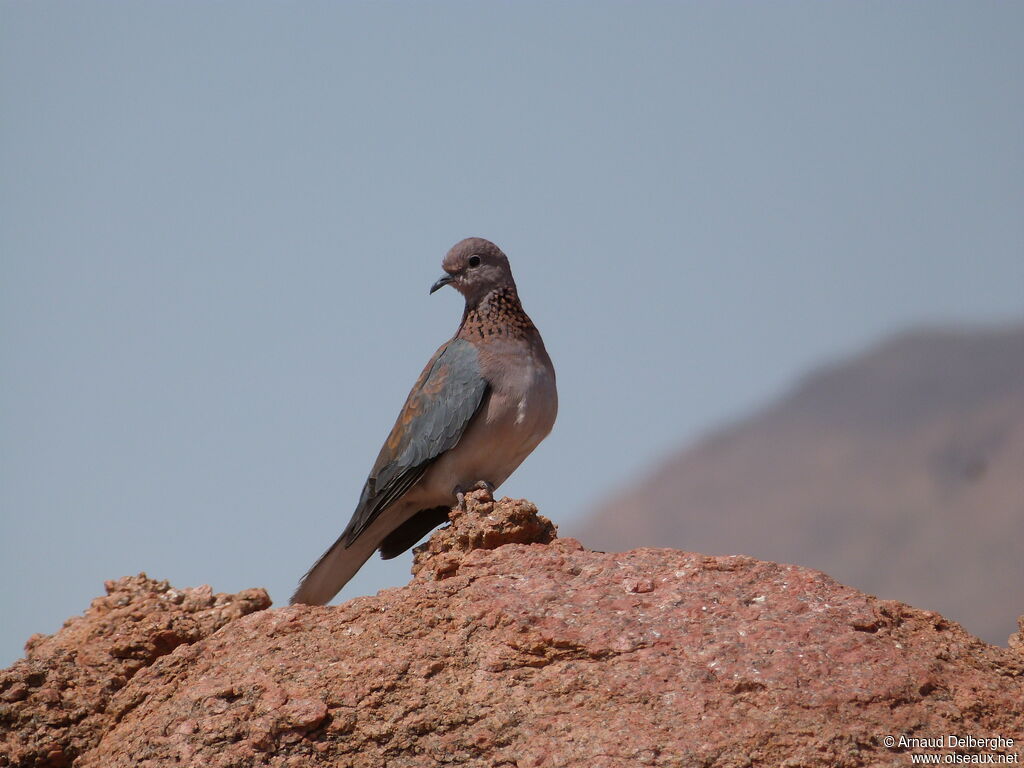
442,282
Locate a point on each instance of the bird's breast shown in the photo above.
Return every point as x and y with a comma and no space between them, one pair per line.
523,398
520,410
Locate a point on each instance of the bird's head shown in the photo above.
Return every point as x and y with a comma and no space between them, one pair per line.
475,267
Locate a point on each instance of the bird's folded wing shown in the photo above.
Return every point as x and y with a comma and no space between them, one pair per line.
442,403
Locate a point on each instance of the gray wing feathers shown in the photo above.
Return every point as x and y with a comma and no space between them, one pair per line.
436,415
439,408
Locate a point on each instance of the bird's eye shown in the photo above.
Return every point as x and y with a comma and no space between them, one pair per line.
474,261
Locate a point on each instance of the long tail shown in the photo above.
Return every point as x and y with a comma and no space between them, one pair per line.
335,567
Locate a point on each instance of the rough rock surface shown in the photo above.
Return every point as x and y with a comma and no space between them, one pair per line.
516,522
54,703
546,654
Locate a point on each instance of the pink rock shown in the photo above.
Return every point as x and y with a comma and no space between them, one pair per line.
526,653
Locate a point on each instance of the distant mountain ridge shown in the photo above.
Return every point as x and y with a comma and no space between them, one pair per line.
899,471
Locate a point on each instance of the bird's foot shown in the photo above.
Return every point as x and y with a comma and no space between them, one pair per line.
480,485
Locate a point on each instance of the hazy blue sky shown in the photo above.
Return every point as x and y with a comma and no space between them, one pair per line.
219,222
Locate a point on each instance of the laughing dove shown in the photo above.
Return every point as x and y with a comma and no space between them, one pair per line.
485,400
